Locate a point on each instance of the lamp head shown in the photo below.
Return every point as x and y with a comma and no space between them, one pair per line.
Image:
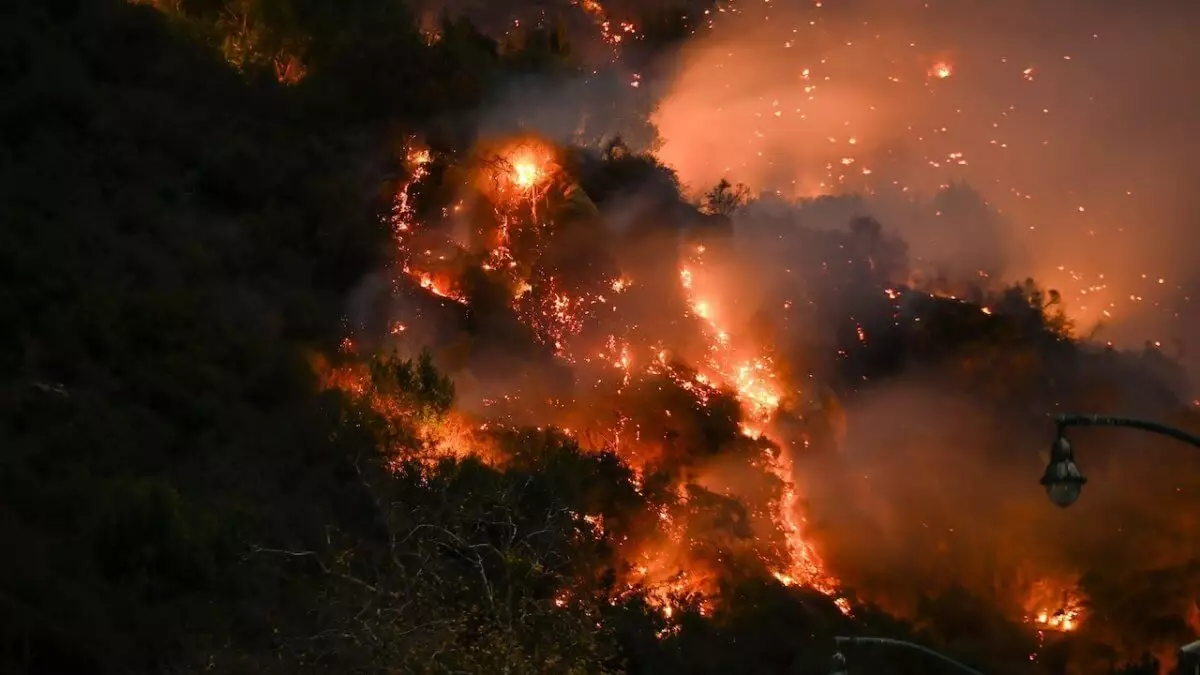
1062,479
839,665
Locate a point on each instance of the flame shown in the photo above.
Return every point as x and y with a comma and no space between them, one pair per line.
756,382
1055,606
439,286
1064,619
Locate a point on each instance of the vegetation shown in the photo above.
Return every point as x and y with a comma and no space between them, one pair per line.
189,193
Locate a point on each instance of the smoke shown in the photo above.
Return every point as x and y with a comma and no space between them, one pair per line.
596,96
585,110
932,485
1070,120
933,489
907,510
1073,135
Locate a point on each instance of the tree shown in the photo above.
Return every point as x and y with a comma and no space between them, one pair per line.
724,199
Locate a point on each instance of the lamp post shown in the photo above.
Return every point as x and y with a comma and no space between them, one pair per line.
1062,479
839,660
1189,659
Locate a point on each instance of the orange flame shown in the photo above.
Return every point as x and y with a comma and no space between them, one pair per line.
1055,606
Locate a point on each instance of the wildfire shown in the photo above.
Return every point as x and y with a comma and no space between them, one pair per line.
515,177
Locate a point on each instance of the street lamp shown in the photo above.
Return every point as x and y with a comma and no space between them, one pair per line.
839,664
839,661
1062,479
1189,659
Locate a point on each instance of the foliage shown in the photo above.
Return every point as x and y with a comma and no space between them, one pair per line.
456,574
416,386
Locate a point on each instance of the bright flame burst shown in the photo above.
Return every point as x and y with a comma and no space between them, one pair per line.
1055,607
525,173
517,168
1064,619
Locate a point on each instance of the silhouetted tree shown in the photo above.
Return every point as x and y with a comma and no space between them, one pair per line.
724,199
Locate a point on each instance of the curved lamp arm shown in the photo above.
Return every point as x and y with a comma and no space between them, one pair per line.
907,645
1077,420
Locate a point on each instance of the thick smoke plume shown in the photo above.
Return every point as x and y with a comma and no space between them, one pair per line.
1069,119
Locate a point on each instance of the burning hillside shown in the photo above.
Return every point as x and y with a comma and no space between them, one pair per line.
711,370
696,410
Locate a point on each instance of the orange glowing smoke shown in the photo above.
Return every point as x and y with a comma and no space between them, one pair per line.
798,101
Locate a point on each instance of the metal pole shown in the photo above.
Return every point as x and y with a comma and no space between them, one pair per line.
1189,658
907,645
1077,420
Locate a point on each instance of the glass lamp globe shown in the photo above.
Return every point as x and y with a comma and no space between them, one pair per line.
1062,479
